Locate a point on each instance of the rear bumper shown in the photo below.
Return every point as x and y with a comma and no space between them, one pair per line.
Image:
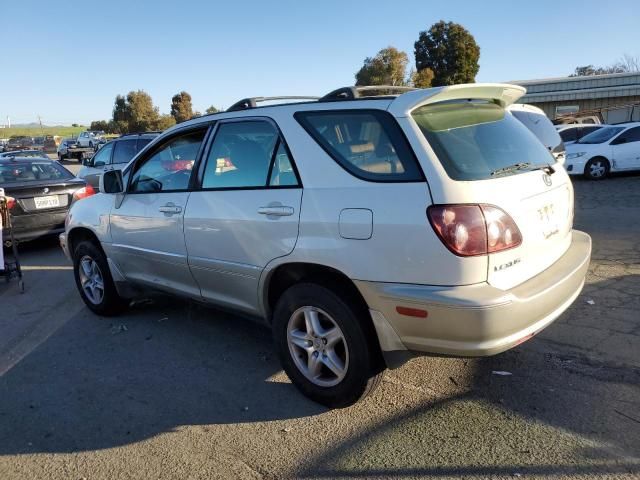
477,320
32,226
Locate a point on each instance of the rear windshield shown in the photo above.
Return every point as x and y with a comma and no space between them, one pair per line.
367,143
479,140
600,136
24,172
541,127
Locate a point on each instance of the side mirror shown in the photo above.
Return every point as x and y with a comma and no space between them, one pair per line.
97,164
87,162
111,182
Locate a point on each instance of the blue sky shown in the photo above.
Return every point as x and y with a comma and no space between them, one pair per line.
67,70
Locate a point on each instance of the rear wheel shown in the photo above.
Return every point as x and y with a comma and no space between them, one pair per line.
94,281
597,168
323,346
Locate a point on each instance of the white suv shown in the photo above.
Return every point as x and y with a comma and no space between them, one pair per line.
362,229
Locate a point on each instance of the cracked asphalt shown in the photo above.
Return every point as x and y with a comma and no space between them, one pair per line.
171,390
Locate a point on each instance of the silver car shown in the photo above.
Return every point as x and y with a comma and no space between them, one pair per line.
362,229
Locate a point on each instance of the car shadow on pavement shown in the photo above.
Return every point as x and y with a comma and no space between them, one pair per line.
103,382
555,406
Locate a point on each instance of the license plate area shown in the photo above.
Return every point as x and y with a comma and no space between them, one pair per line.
50,201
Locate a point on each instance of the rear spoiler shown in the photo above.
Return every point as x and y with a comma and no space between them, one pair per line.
502,93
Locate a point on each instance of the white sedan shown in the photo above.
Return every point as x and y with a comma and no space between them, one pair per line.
615,148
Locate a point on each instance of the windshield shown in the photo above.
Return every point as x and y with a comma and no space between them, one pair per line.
602,135
24,172
473,140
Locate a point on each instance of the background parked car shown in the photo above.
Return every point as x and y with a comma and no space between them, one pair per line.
613,148
87,139
18,142
539,124
42,192
24,154
63,148
114,155
573,133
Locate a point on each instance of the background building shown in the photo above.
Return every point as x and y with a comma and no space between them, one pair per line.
616,97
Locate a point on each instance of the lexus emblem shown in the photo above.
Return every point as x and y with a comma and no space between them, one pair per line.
45,190
546,178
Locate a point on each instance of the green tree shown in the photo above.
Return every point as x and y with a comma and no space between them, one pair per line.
164,122
181,107
99,125
212,109
144,116
388,67
450,51
422,78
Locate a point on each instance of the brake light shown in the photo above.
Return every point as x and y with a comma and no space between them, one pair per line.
84,192
469,230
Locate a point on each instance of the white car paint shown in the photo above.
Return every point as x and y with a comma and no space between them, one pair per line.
216,246
620,152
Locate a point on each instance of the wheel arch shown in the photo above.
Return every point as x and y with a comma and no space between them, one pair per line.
79,234
283,276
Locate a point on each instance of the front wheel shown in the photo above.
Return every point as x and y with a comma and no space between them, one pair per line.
323,346
596,168
94,281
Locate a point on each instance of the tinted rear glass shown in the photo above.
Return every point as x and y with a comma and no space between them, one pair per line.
21,172
475,140
569,135
124,151
367,143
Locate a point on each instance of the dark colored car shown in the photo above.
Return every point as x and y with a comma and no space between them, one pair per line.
19,142
40,193
23,153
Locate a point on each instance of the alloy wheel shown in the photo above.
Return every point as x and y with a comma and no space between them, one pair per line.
91,279
317,346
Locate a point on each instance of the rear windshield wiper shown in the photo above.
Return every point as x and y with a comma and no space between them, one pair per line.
547,168
511,168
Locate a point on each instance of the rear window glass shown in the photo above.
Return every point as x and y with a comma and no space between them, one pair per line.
21,172
541,127
367,143
124,151
479,140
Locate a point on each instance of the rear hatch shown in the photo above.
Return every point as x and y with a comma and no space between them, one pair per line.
492,159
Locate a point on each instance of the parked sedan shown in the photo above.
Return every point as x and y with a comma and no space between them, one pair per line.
24,154
613,148
41,192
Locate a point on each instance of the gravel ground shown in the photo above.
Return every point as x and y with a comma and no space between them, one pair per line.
171,390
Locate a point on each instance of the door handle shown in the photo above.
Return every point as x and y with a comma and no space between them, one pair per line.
170,208
277,211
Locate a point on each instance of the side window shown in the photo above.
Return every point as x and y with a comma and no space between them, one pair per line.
632,135
124,151
569,135
168,166
367,143
282,173
240,155
103,157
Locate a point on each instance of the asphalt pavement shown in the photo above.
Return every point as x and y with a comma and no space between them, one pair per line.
172,390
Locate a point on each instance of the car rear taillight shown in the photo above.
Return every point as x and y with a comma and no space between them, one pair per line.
469,230
84,192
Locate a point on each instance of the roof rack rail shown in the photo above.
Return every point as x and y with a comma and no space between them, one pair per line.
252,102
351,93
139,133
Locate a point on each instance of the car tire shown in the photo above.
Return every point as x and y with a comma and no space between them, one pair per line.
313,329
597,168
94,281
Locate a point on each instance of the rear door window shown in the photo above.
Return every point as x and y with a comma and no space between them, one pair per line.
478,140
367,143
569,135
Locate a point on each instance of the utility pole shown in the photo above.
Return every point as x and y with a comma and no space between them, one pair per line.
40,120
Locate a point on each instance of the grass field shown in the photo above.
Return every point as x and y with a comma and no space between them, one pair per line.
37,131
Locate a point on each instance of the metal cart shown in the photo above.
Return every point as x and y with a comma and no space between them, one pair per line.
11,266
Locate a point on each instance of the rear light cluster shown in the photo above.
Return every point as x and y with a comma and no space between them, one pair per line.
84,192
469,230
